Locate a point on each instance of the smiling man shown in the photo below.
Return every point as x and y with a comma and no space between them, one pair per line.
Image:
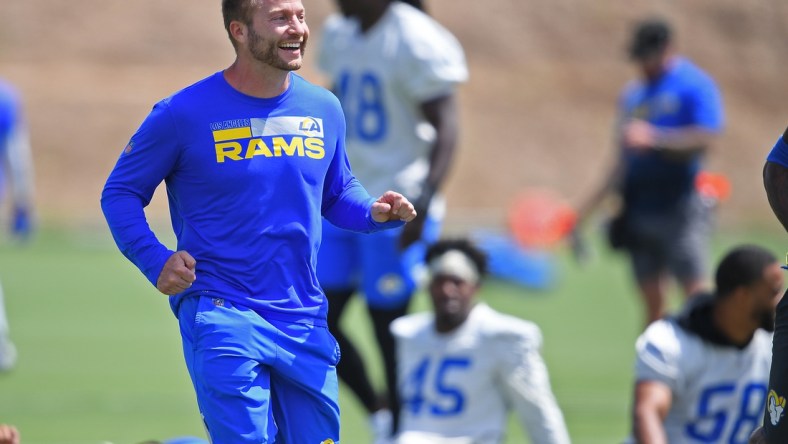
252,157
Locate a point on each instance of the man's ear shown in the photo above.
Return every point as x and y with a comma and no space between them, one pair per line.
238,31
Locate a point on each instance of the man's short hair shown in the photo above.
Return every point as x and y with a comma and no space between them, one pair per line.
237,10
649,37
742,266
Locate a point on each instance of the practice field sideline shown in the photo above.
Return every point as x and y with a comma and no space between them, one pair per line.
100,357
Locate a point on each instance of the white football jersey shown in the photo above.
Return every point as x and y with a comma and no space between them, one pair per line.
459,387
718,391
381,77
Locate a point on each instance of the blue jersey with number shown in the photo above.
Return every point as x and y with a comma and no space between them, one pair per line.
247,180
684,96
718,390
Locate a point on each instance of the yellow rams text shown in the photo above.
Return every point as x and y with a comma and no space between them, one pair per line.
311,147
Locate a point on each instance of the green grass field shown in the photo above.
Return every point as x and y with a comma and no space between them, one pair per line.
100,357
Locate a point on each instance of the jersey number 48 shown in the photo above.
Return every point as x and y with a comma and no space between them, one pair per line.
361,95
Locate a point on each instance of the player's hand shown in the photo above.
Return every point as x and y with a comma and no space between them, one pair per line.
9,434
177,274
393,206
639,135
22,223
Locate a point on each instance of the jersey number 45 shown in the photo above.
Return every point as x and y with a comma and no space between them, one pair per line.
428,387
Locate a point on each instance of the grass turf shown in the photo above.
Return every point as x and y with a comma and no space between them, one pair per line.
100,358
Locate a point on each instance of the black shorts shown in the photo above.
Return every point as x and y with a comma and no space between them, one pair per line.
775,423
675,241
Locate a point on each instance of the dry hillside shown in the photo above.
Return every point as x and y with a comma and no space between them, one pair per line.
537,111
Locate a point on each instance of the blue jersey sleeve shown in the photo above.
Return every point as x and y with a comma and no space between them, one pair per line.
779,152
146,161
346,203
706,106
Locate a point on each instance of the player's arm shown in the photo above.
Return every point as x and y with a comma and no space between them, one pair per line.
692,139
687,141
526,385
659,368
432,65
442,114
703,103
652,403
612,181
610,184
141,167
775,179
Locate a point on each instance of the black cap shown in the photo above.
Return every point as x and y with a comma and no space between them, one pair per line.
648,38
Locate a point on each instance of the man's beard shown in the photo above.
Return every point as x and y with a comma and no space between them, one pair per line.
266,51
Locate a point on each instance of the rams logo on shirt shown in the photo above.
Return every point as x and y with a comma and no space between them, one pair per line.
311,125
273,137
776,405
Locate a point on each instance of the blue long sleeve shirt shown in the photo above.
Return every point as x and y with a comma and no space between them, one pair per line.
247,181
